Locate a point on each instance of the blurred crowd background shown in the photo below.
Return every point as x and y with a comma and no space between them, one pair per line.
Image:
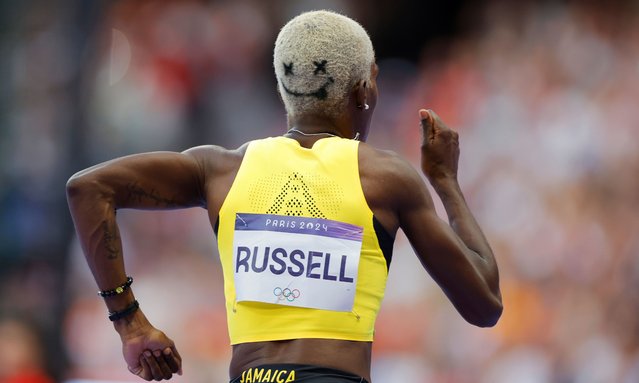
545,95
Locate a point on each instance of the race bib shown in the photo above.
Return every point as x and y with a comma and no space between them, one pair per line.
296,261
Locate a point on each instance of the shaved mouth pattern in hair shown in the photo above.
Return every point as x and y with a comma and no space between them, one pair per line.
321,93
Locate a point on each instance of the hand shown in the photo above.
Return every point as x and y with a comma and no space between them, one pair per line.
440,148
151,355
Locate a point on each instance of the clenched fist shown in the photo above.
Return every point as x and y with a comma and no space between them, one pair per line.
440,148
148,352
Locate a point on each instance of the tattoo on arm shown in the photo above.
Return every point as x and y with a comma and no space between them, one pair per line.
138,194
110,239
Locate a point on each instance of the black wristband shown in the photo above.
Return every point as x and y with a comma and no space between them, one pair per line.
118,290
115,315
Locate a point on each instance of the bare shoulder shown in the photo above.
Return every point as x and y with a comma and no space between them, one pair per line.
390,184
214,159
388,168
218,167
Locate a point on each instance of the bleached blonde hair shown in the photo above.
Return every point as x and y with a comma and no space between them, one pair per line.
319,56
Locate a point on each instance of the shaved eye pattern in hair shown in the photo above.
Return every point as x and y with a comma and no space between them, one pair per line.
320,67
288,69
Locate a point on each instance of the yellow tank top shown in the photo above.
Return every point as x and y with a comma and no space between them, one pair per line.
298,245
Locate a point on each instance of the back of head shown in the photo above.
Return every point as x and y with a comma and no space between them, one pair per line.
318,58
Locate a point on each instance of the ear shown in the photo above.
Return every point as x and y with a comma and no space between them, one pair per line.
361,94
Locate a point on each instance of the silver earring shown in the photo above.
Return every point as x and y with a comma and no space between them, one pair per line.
356,136
366,107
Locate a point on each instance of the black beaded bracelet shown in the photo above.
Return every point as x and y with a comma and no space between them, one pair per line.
115,315
118,290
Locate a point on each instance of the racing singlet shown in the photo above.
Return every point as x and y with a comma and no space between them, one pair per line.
299,245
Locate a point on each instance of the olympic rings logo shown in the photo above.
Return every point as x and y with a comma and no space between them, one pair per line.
286,294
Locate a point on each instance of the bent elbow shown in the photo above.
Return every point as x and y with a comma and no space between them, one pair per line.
76,185
82,184
492,317
482,310
73,186
489,314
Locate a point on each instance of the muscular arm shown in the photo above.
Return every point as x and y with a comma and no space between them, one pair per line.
160,180
457,256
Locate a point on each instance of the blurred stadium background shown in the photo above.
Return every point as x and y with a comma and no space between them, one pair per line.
545,95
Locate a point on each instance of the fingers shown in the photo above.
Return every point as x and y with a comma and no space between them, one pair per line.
179,358
163,363
142,369
136,370
424,115
173,360
427,124
433,126
157,365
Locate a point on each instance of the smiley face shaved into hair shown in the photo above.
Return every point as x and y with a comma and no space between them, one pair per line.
320,93
319,56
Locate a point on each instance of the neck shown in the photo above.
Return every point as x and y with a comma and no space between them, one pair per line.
294,130
314,124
